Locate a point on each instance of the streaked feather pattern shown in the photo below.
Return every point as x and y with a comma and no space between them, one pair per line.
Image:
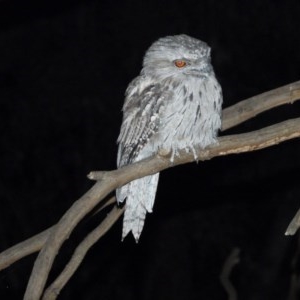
168,108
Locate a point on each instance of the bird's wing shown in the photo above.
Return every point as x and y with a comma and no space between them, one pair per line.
142,108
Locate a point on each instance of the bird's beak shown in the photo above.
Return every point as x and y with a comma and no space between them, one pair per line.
204,70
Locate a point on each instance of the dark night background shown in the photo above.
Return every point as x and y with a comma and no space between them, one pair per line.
64,67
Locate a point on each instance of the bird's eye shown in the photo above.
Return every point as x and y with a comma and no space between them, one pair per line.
179,63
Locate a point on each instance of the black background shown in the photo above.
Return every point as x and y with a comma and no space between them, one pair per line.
64,67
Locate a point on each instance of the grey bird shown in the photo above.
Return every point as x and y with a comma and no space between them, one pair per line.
174,104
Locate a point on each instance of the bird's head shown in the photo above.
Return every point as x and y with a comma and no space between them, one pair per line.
178,56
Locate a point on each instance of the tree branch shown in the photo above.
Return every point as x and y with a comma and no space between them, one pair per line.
247,108
52,239
294,225
231,261
54,289
233,144
251,107
33,244
24,248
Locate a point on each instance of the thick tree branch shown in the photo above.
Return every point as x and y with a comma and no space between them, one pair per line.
52,239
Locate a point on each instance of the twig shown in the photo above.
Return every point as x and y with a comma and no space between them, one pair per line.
230,262
96,175
294,288
54,289
294,225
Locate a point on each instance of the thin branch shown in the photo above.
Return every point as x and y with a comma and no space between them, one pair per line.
294,225
294,288
96,175
63,229
230,262
251,107
33,244
24,248
54,289
233,144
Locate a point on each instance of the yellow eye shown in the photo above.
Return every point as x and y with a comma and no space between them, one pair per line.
179,63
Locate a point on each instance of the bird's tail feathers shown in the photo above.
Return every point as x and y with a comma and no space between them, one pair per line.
140,196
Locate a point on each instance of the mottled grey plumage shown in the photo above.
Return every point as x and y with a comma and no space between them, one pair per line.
175,103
